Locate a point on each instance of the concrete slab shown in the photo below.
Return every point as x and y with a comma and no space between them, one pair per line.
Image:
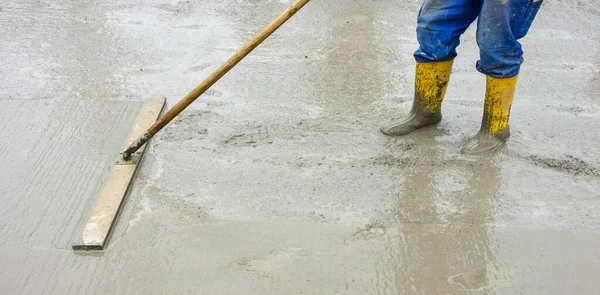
277,181
55,155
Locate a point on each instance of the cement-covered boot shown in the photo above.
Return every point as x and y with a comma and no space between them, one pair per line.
494,130
431,80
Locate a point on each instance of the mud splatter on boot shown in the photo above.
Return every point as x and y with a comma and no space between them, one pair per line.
431,81
494,129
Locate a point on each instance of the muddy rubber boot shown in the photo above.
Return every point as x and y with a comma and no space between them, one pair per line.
496,112
431,80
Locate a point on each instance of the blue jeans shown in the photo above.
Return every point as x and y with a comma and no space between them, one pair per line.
500,25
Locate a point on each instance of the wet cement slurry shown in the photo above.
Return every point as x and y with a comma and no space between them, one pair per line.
277,180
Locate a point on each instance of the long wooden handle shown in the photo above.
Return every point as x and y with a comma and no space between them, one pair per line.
214,77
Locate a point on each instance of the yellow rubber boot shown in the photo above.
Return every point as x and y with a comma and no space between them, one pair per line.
431,81
496,112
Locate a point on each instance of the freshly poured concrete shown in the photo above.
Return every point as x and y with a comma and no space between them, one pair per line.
277,180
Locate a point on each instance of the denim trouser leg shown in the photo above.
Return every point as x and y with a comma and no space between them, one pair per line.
439,26
500,25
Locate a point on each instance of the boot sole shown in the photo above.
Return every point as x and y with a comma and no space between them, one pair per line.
398,135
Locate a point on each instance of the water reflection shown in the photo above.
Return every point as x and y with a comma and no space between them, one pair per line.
443,214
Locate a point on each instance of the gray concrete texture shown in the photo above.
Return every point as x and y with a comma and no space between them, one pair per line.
277,180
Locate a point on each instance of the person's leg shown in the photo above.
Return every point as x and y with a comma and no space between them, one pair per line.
439,26
501,24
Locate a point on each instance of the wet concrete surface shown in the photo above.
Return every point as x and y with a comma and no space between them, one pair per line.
277,180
